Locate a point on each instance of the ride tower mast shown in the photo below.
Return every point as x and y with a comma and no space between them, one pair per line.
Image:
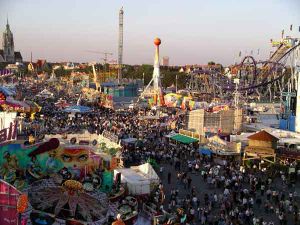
120,45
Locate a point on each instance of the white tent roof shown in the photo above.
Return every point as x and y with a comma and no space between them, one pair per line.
141,173
147,170
138,178
133,176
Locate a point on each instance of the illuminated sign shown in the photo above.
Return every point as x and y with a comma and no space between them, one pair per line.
10,133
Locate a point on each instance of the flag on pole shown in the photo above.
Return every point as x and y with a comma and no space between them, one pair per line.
291,27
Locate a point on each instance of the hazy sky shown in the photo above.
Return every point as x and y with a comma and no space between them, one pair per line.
192,31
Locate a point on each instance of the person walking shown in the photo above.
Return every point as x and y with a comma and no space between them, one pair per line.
169,178
161,170
189,180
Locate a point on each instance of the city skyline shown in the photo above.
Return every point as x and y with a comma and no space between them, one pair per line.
193,33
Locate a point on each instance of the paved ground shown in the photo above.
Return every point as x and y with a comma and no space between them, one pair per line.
203,188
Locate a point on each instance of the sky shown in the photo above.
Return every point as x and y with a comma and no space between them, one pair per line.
192,31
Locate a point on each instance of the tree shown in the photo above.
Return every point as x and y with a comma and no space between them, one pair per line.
211,63
61,72
3,65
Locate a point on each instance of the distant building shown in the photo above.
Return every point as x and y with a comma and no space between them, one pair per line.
40,65
71,66
8,54
165,61
14,67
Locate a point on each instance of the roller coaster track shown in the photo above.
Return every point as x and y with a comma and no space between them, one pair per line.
277,56
268,72
282,50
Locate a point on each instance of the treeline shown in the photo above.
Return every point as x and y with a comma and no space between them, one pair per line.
168,74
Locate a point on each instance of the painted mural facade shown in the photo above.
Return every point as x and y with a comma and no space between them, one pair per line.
19,163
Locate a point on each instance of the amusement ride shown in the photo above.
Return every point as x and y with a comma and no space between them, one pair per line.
257,79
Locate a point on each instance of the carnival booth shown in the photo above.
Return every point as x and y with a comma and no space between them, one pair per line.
184,137
9,104
139,180
221,147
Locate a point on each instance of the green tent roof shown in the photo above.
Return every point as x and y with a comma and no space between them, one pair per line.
183,139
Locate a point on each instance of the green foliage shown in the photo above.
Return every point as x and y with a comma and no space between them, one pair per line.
169,78
136,72
3,65
87,70
211,63
168,75
61,72
24,70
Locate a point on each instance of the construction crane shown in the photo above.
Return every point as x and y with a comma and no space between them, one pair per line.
106,54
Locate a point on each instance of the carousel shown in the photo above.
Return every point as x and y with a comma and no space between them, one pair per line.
69,202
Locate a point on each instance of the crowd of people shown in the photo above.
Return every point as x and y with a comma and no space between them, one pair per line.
209,193
231,195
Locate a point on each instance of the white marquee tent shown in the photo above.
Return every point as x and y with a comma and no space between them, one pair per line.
138,179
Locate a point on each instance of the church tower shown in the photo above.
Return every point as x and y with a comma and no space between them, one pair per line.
8,45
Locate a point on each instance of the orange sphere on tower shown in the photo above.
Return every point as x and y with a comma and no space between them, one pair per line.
157,41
